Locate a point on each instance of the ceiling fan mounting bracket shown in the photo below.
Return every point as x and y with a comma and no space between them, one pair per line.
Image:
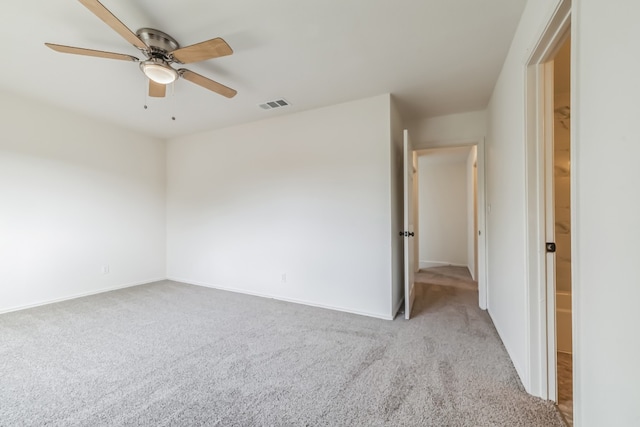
159,42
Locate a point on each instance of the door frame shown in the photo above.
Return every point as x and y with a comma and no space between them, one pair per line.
408,180
541,333
482,266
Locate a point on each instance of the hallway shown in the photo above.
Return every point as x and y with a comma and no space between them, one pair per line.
447,298
448,275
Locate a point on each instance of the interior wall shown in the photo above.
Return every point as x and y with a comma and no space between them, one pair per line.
472,208
442,208
606,203
296,207
397,193
506,193
453,128
77,196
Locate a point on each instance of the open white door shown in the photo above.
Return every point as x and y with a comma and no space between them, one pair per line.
409,262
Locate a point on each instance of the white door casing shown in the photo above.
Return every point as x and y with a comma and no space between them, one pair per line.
541,377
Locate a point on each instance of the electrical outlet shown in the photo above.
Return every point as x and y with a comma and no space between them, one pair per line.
105,269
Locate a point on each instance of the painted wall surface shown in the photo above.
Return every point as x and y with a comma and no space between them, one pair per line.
442,209
606,150
296,207
397,223
606,205
453,128
77,195
472,224
506,191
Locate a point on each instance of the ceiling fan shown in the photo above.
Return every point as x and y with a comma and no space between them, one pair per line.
161,51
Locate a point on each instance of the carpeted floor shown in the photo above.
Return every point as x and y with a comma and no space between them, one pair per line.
169,354
452,276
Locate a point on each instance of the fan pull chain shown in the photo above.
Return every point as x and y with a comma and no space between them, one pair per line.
172,95
173,101
146,93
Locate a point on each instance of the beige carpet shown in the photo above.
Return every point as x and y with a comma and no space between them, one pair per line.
457,277
170,354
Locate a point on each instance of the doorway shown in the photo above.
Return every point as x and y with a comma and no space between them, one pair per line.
449,200
560,174
549,155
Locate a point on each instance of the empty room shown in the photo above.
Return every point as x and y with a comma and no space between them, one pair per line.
208,213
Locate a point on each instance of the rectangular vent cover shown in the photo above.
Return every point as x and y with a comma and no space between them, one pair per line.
278,103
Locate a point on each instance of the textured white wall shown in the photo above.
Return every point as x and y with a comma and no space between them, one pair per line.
453,128
505,185
397,193
77,195
307,195
442,195
472,231
606,205
606,291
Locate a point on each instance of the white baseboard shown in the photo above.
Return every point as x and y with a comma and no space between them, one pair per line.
431,264
80,295
280,298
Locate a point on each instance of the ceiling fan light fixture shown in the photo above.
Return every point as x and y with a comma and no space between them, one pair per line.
159,71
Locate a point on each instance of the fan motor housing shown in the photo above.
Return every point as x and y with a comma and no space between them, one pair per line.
157,40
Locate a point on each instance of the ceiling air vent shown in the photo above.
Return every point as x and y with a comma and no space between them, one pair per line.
278,103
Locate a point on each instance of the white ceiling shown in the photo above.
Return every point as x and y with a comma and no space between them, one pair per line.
435,56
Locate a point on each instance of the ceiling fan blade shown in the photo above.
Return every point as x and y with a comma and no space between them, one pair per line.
207,83
110,19
90,52
157,90
209,49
